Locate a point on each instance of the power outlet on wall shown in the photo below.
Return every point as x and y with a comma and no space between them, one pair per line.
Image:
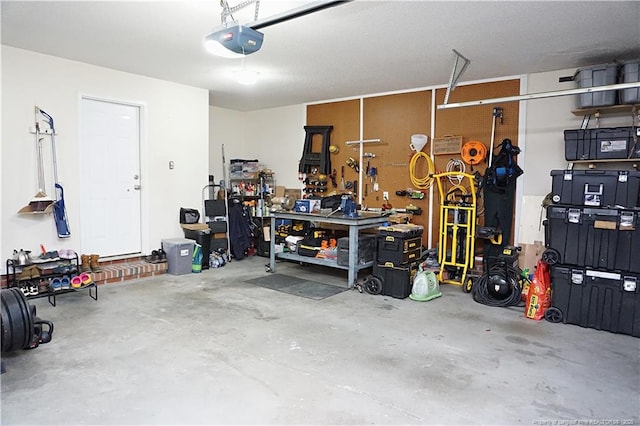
385,195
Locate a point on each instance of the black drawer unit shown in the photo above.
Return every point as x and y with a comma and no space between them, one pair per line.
601,144
398,250
397,258
396,280
597,188
596,299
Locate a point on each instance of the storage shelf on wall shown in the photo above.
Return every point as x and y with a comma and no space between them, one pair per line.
606,109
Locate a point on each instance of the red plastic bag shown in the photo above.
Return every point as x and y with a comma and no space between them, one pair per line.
539,295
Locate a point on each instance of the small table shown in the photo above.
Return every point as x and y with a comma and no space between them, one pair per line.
365,220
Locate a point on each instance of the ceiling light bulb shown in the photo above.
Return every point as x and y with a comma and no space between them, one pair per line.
216,48
245,76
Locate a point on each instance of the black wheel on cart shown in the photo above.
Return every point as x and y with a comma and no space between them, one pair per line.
553,315
551,256
373,285
467,285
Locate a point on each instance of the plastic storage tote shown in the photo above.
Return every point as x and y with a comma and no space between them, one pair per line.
366,249
630,73
597,75
595,299
615,143
596,188
582,236
179,255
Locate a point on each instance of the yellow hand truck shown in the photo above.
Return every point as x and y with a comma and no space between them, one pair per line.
456,244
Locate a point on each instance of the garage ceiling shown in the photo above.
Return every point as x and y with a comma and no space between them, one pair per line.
361,47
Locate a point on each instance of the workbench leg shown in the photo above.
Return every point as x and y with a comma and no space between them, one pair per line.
353,255
272,246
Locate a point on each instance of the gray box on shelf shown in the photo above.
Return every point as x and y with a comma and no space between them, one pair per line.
179,255
366,249
597,75
630,73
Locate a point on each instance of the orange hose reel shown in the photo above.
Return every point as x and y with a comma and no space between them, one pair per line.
473,152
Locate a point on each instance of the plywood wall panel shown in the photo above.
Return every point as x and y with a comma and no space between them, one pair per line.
393,119
474,124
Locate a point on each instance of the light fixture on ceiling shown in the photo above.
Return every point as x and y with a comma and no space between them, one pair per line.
234,42
238,40
246,77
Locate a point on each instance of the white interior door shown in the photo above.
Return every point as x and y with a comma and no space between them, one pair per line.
110,214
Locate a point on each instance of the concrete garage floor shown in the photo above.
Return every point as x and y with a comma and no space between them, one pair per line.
211,349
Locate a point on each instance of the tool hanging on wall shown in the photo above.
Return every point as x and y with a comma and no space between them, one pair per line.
342,185
41,202
497,113
373,173
312,162
473,152
59,209
353,164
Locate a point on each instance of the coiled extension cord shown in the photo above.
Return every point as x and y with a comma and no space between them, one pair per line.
480,289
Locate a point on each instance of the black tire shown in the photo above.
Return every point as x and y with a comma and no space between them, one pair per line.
467,285
373,285
551,256
17,322
553,315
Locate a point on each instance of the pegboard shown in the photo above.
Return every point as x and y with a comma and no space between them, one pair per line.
474,124
393,119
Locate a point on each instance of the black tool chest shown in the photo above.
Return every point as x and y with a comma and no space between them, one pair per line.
602,143
597,188
399,252
592,241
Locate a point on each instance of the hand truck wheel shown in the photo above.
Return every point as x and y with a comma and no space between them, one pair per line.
467,285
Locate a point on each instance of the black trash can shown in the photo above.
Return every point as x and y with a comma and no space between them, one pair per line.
202,237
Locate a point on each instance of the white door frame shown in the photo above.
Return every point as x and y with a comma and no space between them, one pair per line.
144,155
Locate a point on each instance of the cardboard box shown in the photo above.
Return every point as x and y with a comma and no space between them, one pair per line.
195,226
529,255
280,190
293,193
307,206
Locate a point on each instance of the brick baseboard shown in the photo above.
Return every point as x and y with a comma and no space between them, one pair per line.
114,271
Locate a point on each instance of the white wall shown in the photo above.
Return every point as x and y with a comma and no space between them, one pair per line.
174,127
228,128
276,137
273,136
546,119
